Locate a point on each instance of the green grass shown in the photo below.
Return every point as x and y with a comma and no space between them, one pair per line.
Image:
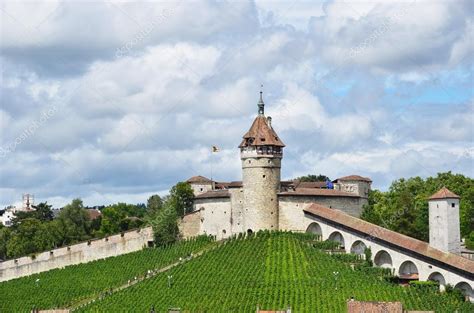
273,270
62,287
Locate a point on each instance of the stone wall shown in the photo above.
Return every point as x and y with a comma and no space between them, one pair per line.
200,188
374,307
291,215
80,253
190,224
444,225
261,183
237,203
215,216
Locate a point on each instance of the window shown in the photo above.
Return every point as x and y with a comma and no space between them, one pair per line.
223,231
264,176
453,205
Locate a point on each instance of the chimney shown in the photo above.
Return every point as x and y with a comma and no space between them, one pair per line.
269,121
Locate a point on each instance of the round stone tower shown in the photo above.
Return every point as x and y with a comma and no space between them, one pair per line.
261,152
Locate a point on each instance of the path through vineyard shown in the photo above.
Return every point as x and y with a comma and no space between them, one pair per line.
153,273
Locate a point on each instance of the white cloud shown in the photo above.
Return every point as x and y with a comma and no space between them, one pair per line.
187,77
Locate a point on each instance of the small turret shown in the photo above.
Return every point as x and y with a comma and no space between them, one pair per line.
445,232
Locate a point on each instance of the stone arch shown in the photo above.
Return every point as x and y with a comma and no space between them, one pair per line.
408,270
358,247
315,228
466,289
437,277
383,259
338,237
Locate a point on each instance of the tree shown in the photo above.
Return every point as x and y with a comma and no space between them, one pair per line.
313,178
404,207
43,212
154,203
165,224
111,217
5,234
121,217
181,197
74,221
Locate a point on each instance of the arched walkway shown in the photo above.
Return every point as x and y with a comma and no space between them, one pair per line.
337,236
439,278
408,270
383,259
465,289
314,228
358,247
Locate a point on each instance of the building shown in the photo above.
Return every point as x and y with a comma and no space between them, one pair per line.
262,201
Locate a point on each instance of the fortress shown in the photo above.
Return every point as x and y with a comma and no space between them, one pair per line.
262,201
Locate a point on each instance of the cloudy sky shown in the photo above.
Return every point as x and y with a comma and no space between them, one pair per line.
114,101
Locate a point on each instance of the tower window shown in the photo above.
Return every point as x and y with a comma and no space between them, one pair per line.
250,161
264,176
453,205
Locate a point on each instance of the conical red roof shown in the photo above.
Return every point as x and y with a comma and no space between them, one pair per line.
444,193
261,134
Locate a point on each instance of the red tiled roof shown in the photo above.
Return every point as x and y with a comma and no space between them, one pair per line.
444,193
412,276
93,214
391,237
261,134
214,194
226,185
355,177
310,184
199,179
317,192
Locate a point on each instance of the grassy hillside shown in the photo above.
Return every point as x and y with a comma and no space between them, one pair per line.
61,287
273,270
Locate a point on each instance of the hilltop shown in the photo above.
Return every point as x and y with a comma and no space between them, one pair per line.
271,269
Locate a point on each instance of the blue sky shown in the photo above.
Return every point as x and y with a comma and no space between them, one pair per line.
114,101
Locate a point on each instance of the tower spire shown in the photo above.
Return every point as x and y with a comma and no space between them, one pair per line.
261,105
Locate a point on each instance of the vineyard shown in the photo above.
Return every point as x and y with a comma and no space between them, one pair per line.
62,287
274,271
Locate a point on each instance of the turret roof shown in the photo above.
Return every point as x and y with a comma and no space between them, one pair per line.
261,134
354,178
444,193
199,179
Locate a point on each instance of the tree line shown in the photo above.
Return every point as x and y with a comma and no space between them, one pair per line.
37,230
404,206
